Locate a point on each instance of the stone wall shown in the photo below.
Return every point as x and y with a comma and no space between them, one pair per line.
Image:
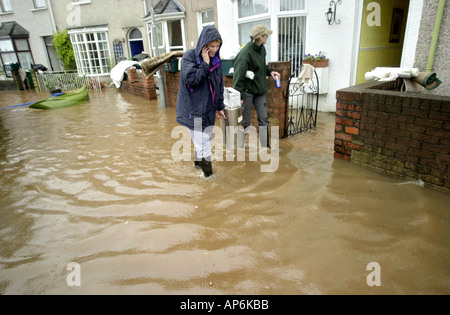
398,134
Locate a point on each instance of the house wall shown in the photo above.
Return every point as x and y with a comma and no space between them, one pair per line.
442,58
191,19
319,37
37,22
339,41
120,16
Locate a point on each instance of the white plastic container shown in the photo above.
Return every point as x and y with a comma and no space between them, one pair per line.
232,98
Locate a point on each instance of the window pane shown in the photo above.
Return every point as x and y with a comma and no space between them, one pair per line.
159,34
6,45
208,17
6,6
175,37
244,34
48,40
25,60
135,34
101,36
40,3
252,7
290,40
292,5
21,44
9,57
91,51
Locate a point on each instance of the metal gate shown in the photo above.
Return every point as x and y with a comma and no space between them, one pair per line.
302,103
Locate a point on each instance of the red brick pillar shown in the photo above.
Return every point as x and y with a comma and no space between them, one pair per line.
149,88
348,120
171,86
277,97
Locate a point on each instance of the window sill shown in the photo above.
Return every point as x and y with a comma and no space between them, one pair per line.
39,9
6,13
81,2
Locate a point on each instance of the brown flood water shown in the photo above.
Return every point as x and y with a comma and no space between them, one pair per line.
96,185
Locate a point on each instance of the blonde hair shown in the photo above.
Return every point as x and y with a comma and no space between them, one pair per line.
217,40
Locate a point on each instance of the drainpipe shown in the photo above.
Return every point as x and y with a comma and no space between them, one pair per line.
49,4
162,92
435,38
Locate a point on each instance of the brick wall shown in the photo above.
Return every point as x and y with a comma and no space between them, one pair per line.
276,97
398,134
137,84
171,86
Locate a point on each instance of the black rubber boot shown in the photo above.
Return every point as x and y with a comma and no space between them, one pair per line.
196,161
206,167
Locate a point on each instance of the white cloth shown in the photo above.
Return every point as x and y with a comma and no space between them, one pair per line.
307,74
249,74
117,73
390,74
202,142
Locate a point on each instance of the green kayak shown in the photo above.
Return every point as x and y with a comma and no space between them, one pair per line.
64,100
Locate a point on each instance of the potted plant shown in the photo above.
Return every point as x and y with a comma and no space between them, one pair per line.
318,60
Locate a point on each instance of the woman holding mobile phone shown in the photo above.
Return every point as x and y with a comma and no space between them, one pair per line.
200,97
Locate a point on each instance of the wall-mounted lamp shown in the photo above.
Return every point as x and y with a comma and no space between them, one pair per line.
331,15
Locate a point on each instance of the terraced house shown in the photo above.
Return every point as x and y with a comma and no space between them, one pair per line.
355,36
26,30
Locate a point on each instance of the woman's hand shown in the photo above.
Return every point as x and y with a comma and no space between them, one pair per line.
274,74
221,114
205,54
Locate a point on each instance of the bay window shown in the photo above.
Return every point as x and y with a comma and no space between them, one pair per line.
170,36
92,53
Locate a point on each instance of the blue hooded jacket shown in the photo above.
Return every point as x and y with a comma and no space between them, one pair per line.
201,84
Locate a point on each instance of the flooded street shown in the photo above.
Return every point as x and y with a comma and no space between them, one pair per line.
96,185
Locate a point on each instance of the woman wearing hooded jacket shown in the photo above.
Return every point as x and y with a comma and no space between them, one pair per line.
200,97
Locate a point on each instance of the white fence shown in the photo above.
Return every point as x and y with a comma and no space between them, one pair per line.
66,81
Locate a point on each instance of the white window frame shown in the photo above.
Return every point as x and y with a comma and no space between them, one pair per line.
80,2
165,48
2,7
82,69
200,24
36,7
274,13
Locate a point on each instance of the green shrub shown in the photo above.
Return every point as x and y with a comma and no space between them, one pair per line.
64,50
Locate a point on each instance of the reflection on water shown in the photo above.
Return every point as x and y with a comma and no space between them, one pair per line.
95,184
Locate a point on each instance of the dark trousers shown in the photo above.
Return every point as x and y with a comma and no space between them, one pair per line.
259,101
